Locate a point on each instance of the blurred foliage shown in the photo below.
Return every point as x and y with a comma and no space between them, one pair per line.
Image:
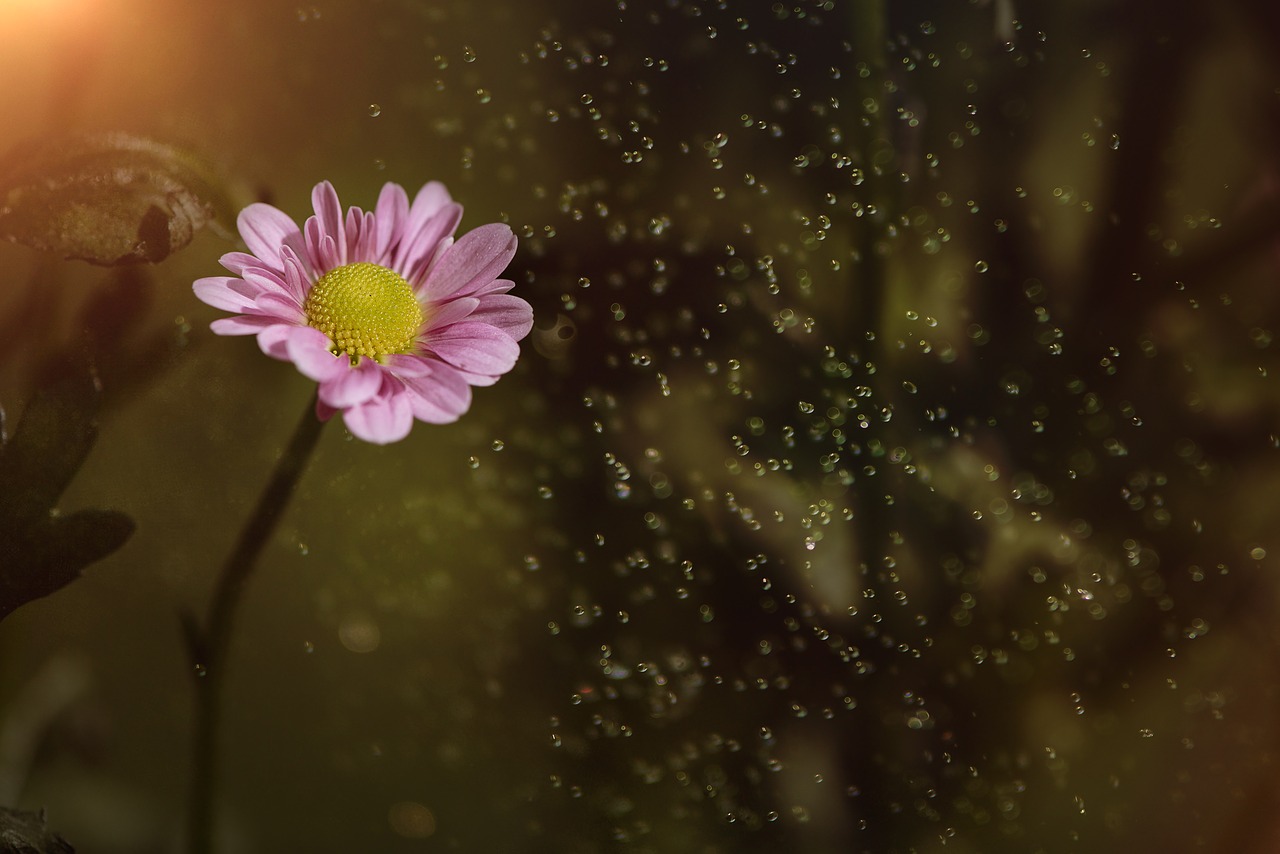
27,833
920,493
42,551
109,198
890,469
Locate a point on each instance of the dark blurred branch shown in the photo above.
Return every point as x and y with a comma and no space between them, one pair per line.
1157,72
209,646
875,141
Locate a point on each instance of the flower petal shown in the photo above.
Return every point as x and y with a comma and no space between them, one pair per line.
322,249
391,213
430,199
384,419
297,279
308,349
475,379
324,411
265,229
418,250
362,236
511,314
440,398
238,262
353,386
273,340
424,273
440,316
329,217
408,365
242,324
270,282
476,347
279,306
475,260
497,286
355,221
219,292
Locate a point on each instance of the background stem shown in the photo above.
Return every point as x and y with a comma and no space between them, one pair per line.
209,647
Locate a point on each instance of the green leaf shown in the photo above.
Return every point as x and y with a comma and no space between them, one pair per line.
24,832
109,198
42,551
52,440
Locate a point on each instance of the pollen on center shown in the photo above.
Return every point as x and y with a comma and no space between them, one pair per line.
366,310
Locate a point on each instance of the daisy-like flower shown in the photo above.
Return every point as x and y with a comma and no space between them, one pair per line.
392,317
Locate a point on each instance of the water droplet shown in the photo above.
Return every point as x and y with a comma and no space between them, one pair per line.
359,633
375,110
411,820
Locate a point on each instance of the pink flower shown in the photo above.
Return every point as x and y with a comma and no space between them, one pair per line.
391,317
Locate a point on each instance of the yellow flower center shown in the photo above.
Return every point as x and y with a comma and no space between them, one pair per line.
366,310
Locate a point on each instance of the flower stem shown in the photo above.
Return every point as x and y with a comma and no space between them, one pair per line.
209,647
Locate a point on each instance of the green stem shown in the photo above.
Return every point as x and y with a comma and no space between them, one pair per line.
210,647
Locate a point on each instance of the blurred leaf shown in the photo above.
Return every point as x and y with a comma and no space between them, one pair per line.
47,449
26,833
109,198
40,550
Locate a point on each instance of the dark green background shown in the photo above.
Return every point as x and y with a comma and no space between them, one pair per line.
891,467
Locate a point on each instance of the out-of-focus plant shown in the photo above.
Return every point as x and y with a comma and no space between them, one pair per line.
109,198
42,551
27,833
